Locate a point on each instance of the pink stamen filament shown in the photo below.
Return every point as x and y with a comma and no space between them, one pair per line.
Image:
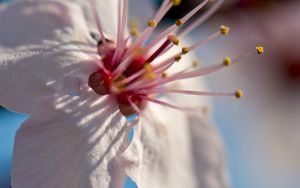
187,92
159,51
167,104
98,22
203,18
205,41
165,7
174,26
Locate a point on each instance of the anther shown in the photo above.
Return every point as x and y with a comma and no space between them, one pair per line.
173,39
134,32
152,23
260,49
164,75
185,50
149,71
196,63
227,61
178,57
176,2
179,22
224,30
239,93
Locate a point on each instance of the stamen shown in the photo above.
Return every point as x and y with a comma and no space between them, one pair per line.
149,71
152,23
239,93
260,50
174,27
98,22
224,30
159,51
124,64
164,75
185,50
122,19
190,92
227,61
168,105
176,2
200,20
195,63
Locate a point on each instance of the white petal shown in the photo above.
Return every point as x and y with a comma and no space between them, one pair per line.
107,11
31,73
29,22
74,142
176,151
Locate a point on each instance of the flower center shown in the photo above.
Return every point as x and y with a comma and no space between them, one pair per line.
130,69
108,81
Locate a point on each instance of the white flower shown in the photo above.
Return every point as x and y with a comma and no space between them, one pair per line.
78,83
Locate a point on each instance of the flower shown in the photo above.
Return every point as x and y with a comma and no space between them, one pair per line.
76,71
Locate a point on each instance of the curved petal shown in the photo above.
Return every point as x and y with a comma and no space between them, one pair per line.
107,12
29,22
175,151
72,142
31,73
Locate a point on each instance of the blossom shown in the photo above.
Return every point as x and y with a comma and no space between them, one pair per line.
75,69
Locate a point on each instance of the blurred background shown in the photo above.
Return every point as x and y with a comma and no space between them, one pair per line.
262,131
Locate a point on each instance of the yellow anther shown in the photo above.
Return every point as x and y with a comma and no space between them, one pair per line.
226,61
173,39
164,75
178,57
239,93
152,23
205,110
179,22
260,49
176,2
224,30
185,50
134,32
196,63
149,71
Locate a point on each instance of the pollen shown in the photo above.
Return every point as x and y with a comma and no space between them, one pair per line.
152,23
227,61
185,50
260,49
179,22
239,93
176,2
224,30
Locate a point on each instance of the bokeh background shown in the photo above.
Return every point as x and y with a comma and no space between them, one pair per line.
262,131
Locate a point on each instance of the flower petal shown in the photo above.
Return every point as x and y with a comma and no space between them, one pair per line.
72,142
177,150
30,73
107,12
29,22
